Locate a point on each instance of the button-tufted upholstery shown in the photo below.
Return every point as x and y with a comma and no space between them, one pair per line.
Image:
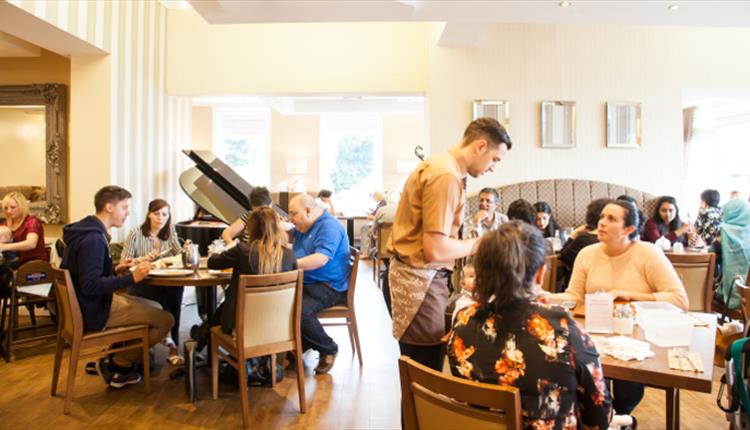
568,197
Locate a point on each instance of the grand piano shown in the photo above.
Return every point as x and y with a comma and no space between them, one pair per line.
221,196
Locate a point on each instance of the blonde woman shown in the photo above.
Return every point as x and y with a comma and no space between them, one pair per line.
28,232
265,252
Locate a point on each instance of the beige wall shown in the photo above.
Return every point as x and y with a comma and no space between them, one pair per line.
525,64
293,58
201,136
22,141
46,68
295,137
401,133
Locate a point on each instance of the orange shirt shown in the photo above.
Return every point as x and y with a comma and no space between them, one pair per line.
433,201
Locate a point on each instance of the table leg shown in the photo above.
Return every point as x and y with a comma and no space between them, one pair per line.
673,408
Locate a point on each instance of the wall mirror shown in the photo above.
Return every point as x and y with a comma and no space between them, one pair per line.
623,125
558,124
33,141
498,109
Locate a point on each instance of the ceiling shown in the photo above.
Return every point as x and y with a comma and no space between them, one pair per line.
11,46
634,12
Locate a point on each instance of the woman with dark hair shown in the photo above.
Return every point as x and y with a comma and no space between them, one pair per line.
641,217
708,223
156,237
544,219
507,338
580,238
522,210
666,222
629,270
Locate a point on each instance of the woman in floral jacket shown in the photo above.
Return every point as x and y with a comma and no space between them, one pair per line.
509,339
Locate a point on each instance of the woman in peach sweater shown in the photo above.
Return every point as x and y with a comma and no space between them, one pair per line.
629,270
626,268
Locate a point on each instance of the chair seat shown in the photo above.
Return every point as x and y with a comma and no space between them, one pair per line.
338,309
111,331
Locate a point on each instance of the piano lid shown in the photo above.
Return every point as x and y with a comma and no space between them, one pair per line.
215,187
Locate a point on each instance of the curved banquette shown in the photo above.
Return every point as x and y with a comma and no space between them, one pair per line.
568,197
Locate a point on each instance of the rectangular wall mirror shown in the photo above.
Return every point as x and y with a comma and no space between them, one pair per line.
558,124
33,141
498,109
623,125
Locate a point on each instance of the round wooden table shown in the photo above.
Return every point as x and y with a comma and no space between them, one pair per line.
201,279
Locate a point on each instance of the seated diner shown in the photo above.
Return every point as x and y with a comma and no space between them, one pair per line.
508,338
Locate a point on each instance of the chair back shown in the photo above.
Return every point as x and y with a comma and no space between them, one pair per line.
696,271
383,234
549,283
354,268
268,308
744,293
433,400
34,272
70,320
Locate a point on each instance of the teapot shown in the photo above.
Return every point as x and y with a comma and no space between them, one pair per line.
663,243
191,256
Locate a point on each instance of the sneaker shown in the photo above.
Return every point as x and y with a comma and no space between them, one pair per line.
325,363
102,368
90,368
120,380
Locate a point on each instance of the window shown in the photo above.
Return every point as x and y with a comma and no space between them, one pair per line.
241,139
350,159
719,149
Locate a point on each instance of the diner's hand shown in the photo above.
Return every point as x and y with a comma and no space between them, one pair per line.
141,271
480,216
621,295
125,264
580,229
543,297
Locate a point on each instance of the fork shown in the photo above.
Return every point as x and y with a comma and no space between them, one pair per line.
683,353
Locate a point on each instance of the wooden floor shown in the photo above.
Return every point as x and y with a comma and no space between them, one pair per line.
347,398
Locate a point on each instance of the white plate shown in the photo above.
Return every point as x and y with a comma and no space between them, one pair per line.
170,272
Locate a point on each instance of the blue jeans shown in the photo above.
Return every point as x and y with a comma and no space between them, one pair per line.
316,297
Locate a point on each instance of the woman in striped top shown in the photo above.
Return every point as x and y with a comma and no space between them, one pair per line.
153,238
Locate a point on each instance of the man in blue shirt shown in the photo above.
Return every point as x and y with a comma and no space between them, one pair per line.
322,250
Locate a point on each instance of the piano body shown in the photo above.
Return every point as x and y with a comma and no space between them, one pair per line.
218,191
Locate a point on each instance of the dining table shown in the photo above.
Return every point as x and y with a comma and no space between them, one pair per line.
655,371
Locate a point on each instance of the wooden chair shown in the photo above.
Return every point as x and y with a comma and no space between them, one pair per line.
434,400
36,272
550,276
70,332
267,322
347,311
382,235
744,292
696,271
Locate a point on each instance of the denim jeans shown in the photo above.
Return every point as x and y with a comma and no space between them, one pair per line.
316,297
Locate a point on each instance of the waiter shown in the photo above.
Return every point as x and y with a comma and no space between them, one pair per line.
425,239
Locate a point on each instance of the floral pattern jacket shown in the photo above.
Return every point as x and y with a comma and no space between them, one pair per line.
707,224
542,351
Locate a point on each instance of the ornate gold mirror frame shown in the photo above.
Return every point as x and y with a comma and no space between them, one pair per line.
54,98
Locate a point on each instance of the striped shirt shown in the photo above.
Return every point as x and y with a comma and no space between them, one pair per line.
138,245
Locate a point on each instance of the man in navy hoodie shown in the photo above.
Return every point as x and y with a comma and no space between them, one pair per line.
87,258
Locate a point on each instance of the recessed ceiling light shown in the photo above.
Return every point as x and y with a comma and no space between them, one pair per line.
564,4
673,7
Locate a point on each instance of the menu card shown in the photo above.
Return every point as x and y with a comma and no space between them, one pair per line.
599,312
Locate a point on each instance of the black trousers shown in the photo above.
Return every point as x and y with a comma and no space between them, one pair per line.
429,355
170,299
626,396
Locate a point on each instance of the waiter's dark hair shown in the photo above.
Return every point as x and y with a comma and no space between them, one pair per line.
110,194
505,263
488,128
